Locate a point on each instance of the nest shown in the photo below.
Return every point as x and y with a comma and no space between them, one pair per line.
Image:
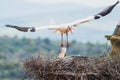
72,68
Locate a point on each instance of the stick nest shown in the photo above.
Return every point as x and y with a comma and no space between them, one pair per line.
72,68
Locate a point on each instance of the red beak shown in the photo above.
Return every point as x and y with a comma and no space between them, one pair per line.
70,29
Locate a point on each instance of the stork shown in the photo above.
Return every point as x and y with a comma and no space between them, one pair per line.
66,28
62,53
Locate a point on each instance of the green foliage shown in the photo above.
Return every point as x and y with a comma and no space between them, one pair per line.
9,69
25,45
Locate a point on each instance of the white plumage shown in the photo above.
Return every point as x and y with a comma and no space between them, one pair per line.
62,53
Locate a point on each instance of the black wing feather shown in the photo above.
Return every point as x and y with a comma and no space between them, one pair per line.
23,29
106,11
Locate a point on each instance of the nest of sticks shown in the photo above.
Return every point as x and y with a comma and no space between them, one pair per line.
72,68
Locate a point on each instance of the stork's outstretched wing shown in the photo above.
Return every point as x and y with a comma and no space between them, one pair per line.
104,12
32,29
73,24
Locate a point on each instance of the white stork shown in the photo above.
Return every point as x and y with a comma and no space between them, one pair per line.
62,53
66,28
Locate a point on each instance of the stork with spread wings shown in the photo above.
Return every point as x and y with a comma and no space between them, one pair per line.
66,28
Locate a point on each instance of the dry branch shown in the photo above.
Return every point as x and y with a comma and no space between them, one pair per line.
72,68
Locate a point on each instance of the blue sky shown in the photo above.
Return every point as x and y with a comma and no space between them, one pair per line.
45,12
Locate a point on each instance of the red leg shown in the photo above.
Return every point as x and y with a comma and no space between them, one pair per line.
67,40
62,45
